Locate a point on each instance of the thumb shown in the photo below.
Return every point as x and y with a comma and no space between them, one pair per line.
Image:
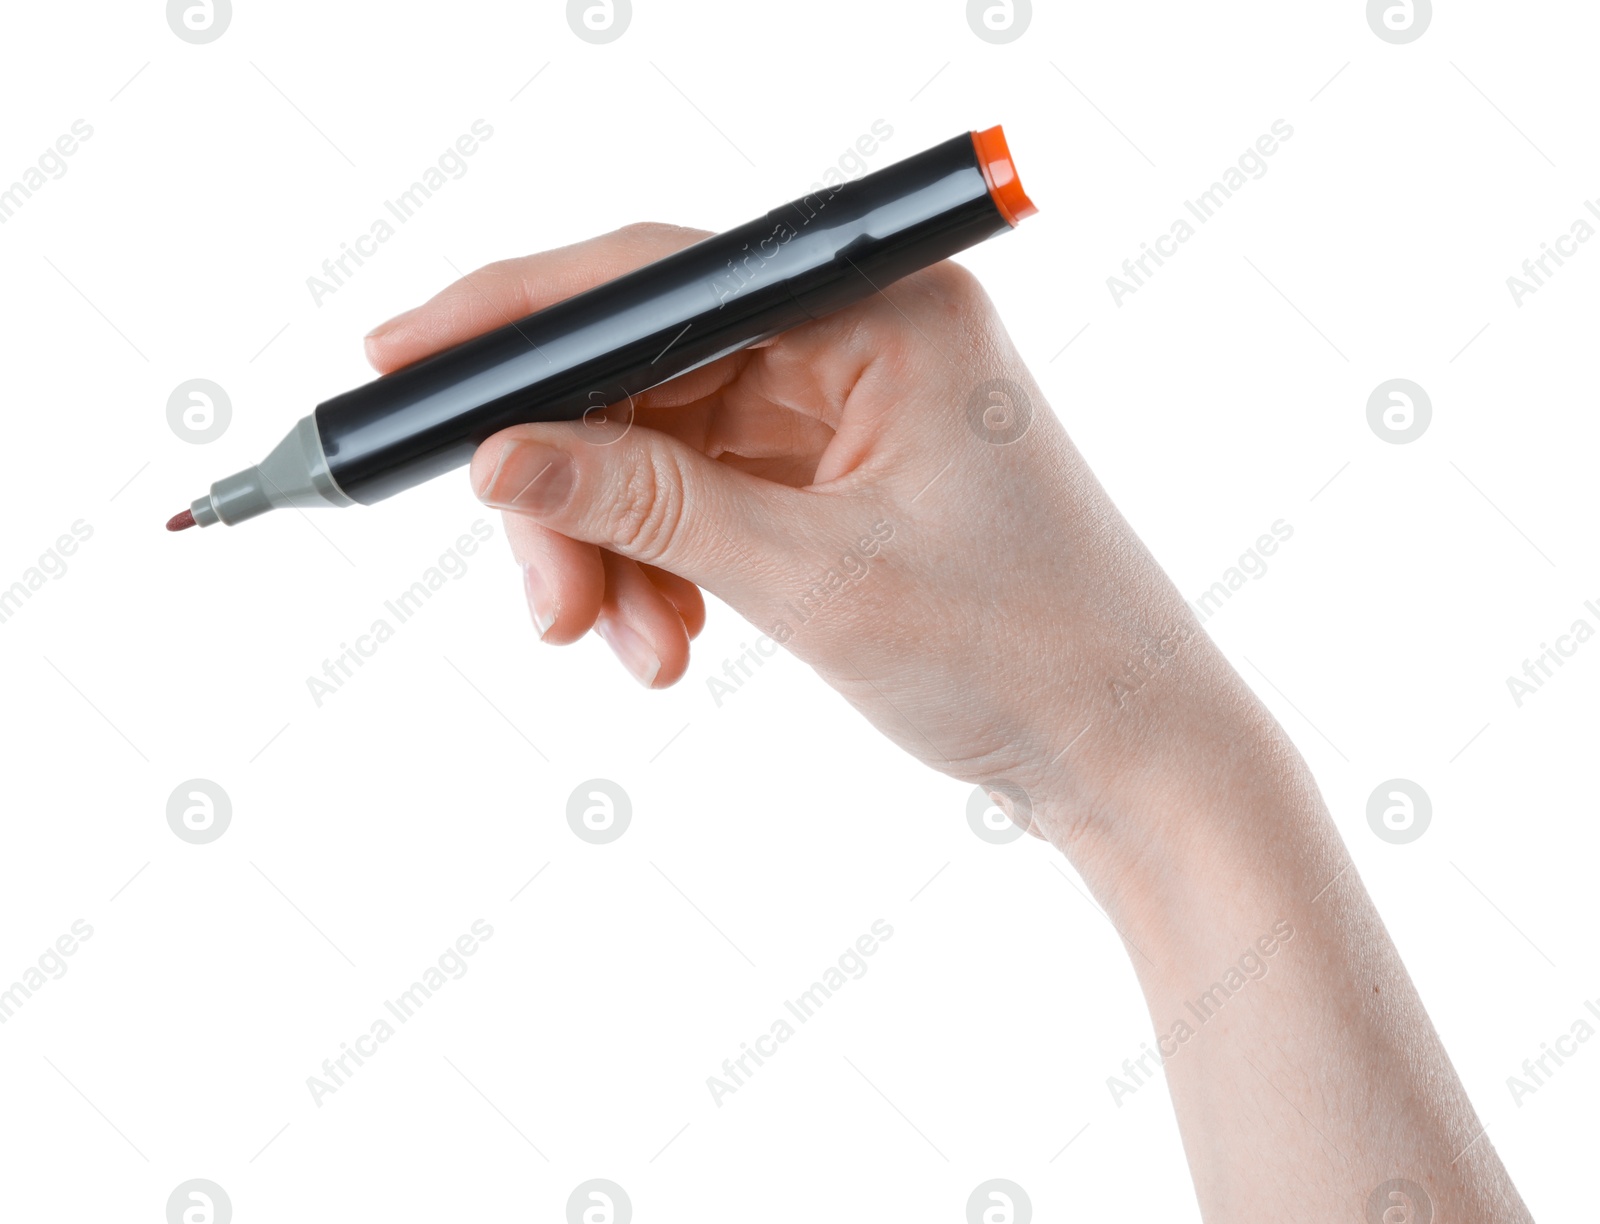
650,497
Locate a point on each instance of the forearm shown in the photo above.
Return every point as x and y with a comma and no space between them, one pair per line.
1302,1064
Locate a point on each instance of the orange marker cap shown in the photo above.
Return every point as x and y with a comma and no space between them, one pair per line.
1001,174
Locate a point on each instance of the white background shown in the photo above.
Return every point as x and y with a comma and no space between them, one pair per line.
769,833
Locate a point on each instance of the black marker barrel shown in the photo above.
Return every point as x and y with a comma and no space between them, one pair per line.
801,261
814,255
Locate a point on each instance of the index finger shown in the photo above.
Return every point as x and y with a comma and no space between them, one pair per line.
503,292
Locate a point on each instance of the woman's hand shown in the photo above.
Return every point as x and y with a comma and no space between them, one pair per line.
883,492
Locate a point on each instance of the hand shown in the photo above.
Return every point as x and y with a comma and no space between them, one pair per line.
884,492
944,558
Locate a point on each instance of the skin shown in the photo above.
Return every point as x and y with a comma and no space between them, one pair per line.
1009,627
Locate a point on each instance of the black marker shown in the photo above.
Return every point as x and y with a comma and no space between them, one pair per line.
799,262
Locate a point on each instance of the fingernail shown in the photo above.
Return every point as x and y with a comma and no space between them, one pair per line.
632,649
541,601
530,477
389,325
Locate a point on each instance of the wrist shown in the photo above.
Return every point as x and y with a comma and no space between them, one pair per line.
1187,808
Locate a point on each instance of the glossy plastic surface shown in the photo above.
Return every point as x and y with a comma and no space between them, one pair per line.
994,157
801,261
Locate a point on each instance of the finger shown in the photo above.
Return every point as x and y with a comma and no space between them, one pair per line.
643,630
682,595
651,497
506,291
562,579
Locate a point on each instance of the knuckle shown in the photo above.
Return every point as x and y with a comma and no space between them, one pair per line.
647,513
653,239
658,233
953,278
488,290
944,302
959,288
498,271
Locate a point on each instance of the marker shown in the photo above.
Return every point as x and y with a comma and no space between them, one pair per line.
815,255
